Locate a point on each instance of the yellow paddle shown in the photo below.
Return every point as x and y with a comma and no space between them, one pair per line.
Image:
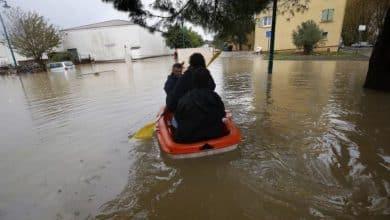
146,132
216,55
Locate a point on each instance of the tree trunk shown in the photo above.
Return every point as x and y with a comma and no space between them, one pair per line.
378,75
307,49
41,63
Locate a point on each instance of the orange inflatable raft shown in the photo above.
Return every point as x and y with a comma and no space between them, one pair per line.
197,149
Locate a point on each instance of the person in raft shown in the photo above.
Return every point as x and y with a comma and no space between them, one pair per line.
177,70
198,110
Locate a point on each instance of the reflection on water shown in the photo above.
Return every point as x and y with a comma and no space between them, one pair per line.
314,146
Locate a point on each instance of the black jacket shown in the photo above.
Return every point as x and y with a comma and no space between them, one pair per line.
171,83
194,77
199,115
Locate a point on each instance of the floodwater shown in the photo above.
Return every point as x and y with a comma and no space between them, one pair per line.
315,145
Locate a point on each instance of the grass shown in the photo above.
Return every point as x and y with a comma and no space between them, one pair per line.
340,55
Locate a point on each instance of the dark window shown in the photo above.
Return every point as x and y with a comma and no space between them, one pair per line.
325,35
327,15
265,21
55,65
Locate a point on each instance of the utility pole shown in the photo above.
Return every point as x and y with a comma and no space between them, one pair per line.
182,33
271,51
6,6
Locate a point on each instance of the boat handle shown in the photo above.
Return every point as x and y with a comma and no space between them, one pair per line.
206,147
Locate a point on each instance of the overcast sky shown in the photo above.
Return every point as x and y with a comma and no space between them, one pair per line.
72,13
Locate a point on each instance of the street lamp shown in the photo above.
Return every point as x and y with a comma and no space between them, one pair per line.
271,51
6,6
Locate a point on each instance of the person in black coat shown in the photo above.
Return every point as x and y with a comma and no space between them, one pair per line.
198,110
186,82
172,79
199,115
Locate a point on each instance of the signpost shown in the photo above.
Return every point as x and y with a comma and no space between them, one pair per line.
361,29
268,35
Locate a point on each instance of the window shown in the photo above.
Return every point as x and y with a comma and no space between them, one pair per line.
324,35
55,65
327,15
265,21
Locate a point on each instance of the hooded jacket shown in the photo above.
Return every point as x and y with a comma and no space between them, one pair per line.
194,77
171,83
199,115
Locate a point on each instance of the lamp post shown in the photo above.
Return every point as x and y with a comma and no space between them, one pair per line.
182,33
6,6
271,52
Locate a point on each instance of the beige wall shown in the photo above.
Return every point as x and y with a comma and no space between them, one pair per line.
285,24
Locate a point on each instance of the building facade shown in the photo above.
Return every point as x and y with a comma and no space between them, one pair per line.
6,56
328,14
113,40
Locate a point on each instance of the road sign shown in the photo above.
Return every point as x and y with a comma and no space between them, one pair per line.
362,27
268,34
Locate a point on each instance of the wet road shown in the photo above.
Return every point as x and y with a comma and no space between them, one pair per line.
315,145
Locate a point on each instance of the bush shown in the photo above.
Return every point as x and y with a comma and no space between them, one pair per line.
60,56
307,36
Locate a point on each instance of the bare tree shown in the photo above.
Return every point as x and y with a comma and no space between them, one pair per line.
32,35
362,12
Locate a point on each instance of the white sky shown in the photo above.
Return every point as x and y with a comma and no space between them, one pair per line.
72,13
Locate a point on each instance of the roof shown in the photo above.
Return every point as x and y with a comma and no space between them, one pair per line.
109,23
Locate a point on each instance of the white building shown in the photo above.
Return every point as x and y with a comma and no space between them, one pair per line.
113,40
6,57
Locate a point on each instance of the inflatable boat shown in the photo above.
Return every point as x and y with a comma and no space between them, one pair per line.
198,149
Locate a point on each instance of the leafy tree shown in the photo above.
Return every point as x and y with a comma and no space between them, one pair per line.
60,56
223,17
307,36
362,12
178,37
238,33
215,14
32,35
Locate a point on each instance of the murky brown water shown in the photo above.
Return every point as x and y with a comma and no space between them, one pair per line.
315,145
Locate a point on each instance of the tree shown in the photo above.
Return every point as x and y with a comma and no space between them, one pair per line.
215,14
182,37
218,16
307,36
32,35
378,75
362,12
238,32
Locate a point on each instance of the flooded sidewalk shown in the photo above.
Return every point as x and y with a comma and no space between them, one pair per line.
315,145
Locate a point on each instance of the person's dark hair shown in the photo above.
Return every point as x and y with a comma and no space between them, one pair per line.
197,60
177,65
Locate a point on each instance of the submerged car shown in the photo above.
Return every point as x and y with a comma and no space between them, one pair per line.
60,66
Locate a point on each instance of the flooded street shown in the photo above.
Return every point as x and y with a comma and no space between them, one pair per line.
315,145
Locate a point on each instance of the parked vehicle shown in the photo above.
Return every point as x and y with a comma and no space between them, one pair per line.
361,44
60,66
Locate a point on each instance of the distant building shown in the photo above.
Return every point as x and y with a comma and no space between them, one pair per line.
113,40
6,57
328,14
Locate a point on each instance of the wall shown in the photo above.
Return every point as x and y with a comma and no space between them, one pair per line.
6,57
114,43
285,24
106,43
152,44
